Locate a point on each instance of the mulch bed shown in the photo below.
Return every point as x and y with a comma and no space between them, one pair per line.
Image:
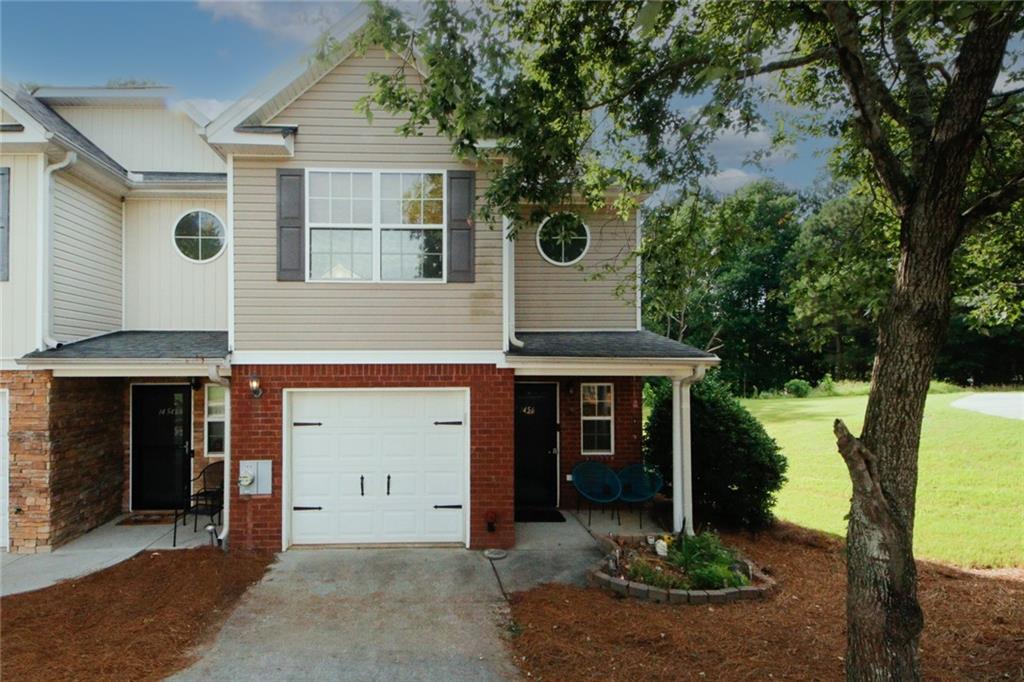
137,620
974,625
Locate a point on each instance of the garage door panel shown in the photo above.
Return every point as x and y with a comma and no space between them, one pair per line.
373,434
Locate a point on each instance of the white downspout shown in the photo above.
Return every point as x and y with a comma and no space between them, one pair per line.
509,250
682,459
44,259
213,373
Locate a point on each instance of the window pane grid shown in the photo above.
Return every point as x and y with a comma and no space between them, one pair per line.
400,239
597,418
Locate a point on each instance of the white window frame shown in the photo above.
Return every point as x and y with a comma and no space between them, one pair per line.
610,418
560,264
226,419
174,237
376,226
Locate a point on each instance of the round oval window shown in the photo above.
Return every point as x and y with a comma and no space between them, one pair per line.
563,238
199,236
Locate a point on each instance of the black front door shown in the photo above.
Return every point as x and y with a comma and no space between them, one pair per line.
161,445
536,445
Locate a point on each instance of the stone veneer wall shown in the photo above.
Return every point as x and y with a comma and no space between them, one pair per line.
86,455
65,457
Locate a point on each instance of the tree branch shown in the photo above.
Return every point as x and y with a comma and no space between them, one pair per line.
998,201
871,98
919,96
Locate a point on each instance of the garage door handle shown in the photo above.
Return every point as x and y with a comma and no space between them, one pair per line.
389,484
447,506
361,490
458,423
306,508
307,424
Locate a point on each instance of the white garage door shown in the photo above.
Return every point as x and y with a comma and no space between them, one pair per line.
378,466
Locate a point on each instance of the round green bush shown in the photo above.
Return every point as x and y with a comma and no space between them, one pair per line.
737,466
798,388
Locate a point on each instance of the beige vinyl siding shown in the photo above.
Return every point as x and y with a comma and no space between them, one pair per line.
272,315
568,297
87,275
164,290
18,322
145,138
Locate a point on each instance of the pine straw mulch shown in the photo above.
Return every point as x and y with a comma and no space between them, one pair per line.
974,625
137,620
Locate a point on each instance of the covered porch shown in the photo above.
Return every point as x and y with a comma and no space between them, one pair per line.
600,375
128,430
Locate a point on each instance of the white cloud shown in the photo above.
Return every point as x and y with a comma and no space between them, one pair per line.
299,21
729,180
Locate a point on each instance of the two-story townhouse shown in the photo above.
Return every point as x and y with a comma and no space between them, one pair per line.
307,295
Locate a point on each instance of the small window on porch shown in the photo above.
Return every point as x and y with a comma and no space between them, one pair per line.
597,412
216,420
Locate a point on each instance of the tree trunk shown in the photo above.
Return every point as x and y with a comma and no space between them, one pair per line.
883,613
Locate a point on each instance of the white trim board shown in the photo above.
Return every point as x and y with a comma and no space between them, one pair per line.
369,357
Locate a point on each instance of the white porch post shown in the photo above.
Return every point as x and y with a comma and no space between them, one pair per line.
682,473
678,513
687,460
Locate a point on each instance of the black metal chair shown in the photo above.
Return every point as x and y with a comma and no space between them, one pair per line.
207,500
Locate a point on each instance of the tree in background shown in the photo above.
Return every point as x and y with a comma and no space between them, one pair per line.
713,274
581,97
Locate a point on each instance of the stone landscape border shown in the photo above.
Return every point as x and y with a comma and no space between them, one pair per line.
628,588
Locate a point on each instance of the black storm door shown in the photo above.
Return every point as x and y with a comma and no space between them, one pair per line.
161,445
536,445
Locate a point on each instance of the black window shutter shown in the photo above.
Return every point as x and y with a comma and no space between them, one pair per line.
291,250
461,249
5,224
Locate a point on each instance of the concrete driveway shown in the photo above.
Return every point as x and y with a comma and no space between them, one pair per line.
365,614
1009,405
390,614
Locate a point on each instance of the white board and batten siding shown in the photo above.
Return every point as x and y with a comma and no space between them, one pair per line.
18,316
87,274
340,316
163,289
568,297
145,138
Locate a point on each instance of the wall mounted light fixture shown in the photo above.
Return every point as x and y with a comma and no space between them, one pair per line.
254,386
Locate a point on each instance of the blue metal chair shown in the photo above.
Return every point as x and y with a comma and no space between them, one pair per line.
639,485
596,483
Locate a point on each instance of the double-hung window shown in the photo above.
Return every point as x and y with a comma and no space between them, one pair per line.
376,226
597,413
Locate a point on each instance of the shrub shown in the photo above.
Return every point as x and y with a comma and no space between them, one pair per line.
706,561
798,388
737,467
827,386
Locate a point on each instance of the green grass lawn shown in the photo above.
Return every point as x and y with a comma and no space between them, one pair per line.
970,491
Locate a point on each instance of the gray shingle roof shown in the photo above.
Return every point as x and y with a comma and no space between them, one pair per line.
141,345
182,177
626,344
55,123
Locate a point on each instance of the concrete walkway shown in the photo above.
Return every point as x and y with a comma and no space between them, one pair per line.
98,549
390,614
1009,405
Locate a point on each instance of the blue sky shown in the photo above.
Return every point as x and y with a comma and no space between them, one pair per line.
218,50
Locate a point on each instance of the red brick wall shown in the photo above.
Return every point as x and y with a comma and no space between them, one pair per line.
628,415
256,433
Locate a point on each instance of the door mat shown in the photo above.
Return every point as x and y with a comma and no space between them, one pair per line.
539,515
146,519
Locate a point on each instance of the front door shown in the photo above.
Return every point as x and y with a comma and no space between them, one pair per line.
536,445
161,445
